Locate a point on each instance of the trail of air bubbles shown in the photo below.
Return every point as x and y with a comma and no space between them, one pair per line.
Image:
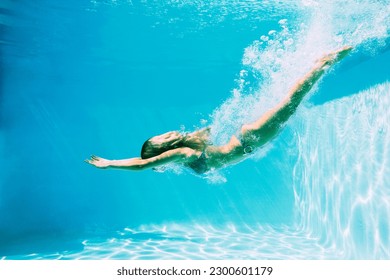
279,58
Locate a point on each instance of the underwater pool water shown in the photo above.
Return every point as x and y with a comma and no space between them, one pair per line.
100,77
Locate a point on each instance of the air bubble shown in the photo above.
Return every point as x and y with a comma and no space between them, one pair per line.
288,42
338,39
282,21
280,52
264,38
243,73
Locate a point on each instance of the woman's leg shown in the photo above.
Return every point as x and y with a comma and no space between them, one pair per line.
266,127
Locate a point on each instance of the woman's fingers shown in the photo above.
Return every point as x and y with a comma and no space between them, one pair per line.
92,160
96,161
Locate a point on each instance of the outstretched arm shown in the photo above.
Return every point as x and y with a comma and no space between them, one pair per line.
266,127
138,164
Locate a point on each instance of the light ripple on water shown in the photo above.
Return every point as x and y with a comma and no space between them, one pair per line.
262,242
342,181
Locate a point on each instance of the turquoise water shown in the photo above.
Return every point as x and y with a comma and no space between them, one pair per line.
100,77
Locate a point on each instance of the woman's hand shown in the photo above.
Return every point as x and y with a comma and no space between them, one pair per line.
98,162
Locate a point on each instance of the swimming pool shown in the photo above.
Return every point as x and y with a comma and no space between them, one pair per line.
100,77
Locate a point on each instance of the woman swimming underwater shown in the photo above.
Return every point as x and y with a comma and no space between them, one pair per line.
194,150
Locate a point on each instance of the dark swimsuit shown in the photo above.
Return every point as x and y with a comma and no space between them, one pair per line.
200,164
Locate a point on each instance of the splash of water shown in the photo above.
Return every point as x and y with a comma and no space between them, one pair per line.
273,63
278,59
341,177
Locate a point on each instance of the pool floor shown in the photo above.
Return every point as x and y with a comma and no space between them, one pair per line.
196,242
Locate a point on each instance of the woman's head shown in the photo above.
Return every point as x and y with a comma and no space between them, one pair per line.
162,143
157,145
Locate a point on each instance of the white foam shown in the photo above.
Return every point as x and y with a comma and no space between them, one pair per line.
279,58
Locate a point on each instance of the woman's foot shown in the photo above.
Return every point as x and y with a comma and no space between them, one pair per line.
336,56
